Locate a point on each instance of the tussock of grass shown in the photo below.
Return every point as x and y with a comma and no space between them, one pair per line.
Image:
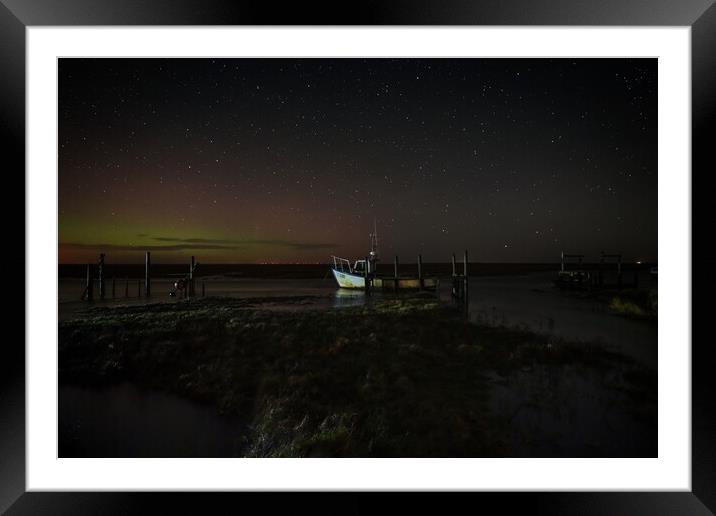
396,378
639,304
628,308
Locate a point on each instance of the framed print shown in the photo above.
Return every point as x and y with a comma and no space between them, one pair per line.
413,250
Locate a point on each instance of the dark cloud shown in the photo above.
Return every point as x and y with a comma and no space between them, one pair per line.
195,240
299,246
174,247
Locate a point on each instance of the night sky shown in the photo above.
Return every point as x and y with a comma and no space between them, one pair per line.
291,160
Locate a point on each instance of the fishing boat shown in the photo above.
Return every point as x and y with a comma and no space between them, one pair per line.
349,275
573,279
353,274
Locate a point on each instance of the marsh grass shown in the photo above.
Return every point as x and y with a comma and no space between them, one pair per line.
642,304
395,378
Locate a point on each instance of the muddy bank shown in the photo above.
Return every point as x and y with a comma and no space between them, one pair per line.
393,378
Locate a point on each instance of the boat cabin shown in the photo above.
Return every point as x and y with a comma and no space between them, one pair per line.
358,267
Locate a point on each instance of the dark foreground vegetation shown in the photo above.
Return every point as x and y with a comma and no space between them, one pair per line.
629,302
397,378
640,304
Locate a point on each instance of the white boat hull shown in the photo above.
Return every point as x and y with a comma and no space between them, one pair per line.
347,280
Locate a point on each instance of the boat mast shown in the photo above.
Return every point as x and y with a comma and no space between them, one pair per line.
375,237
373,247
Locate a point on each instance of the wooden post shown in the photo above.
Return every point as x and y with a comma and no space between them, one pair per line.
395,267
420,271
89,288
101,276
190,286
365,276
455,287
562,267
126,287
466,297
147,278
113,287
139,288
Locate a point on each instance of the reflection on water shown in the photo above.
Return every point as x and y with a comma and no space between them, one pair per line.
348,297
532,303
124,421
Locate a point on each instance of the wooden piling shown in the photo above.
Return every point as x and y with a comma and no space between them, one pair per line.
466,297
139,288
396,275
101,276
420,272
562,266
365,277
455,292
147,276
190,286
89,287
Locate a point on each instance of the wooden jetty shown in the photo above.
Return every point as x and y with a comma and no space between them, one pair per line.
594,277
363,274
93,284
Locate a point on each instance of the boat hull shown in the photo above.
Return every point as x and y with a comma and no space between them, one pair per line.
349,280
346,280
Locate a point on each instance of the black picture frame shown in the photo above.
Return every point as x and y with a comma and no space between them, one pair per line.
16,15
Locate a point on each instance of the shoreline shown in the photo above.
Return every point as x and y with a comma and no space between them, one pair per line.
319,270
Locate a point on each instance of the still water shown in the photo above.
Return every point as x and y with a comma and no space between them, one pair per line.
125,421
